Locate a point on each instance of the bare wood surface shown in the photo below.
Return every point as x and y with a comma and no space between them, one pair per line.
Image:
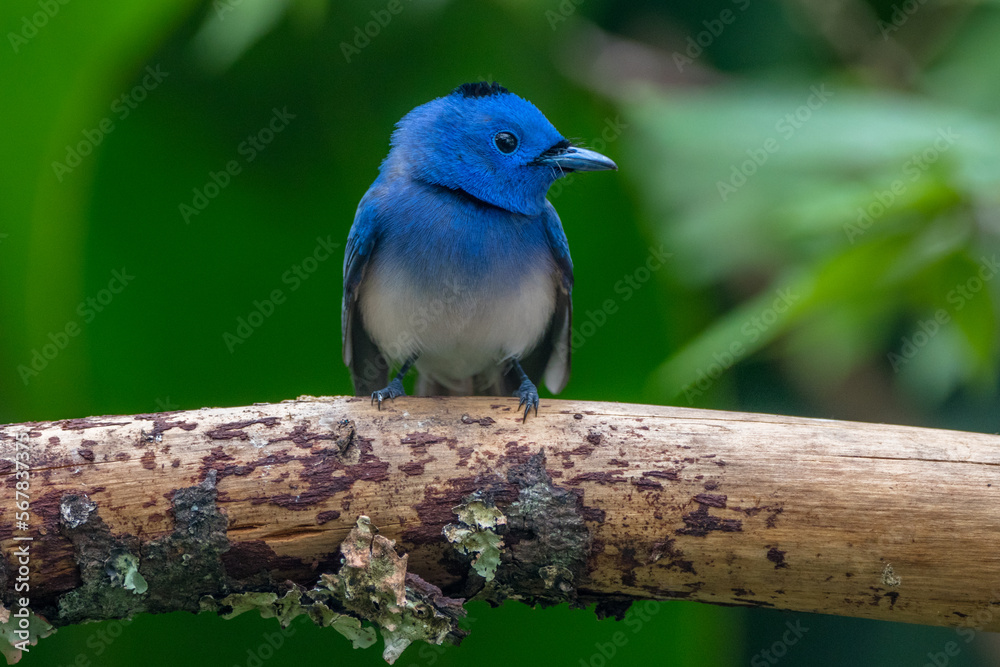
626,502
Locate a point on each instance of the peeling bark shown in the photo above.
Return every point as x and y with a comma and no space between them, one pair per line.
257,507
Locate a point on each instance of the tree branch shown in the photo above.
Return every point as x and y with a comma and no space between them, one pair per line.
264,507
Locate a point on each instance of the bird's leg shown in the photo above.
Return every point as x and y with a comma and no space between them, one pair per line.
395,387
527,392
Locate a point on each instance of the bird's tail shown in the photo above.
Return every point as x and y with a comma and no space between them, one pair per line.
494,382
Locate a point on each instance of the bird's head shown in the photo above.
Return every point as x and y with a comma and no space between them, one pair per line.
489,143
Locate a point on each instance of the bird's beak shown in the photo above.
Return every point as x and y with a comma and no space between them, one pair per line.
571,158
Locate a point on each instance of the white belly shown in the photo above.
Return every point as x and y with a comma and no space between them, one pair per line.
458,331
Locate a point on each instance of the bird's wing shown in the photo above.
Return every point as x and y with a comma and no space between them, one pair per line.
557,367
550,358
559,245
368,368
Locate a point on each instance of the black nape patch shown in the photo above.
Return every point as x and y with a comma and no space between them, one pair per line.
480,89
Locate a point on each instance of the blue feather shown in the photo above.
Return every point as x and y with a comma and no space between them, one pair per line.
456,262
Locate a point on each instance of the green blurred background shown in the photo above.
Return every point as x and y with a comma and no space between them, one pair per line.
824,176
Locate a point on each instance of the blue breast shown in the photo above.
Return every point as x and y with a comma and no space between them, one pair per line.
431,233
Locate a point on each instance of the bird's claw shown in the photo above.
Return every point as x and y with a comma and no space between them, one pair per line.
528,394
394,389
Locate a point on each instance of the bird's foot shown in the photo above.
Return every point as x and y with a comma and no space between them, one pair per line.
394,389
528,394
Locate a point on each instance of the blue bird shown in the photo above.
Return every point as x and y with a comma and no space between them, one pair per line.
456,263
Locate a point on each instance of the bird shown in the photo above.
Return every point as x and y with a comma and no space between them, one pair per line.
456,263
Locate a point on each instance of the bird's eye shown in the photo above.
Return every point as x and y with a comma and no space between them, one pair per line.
505,142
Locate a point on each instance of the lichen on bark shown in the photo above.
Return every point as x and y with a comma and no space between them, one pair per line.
18,631
548,541
477,533
373,584
121,576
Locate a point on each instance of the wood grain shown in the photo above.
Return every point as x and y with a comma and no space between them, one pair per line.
868,520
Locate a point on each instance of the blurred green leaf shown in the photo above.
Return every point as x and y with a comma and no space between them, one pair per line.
67,69
860,196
